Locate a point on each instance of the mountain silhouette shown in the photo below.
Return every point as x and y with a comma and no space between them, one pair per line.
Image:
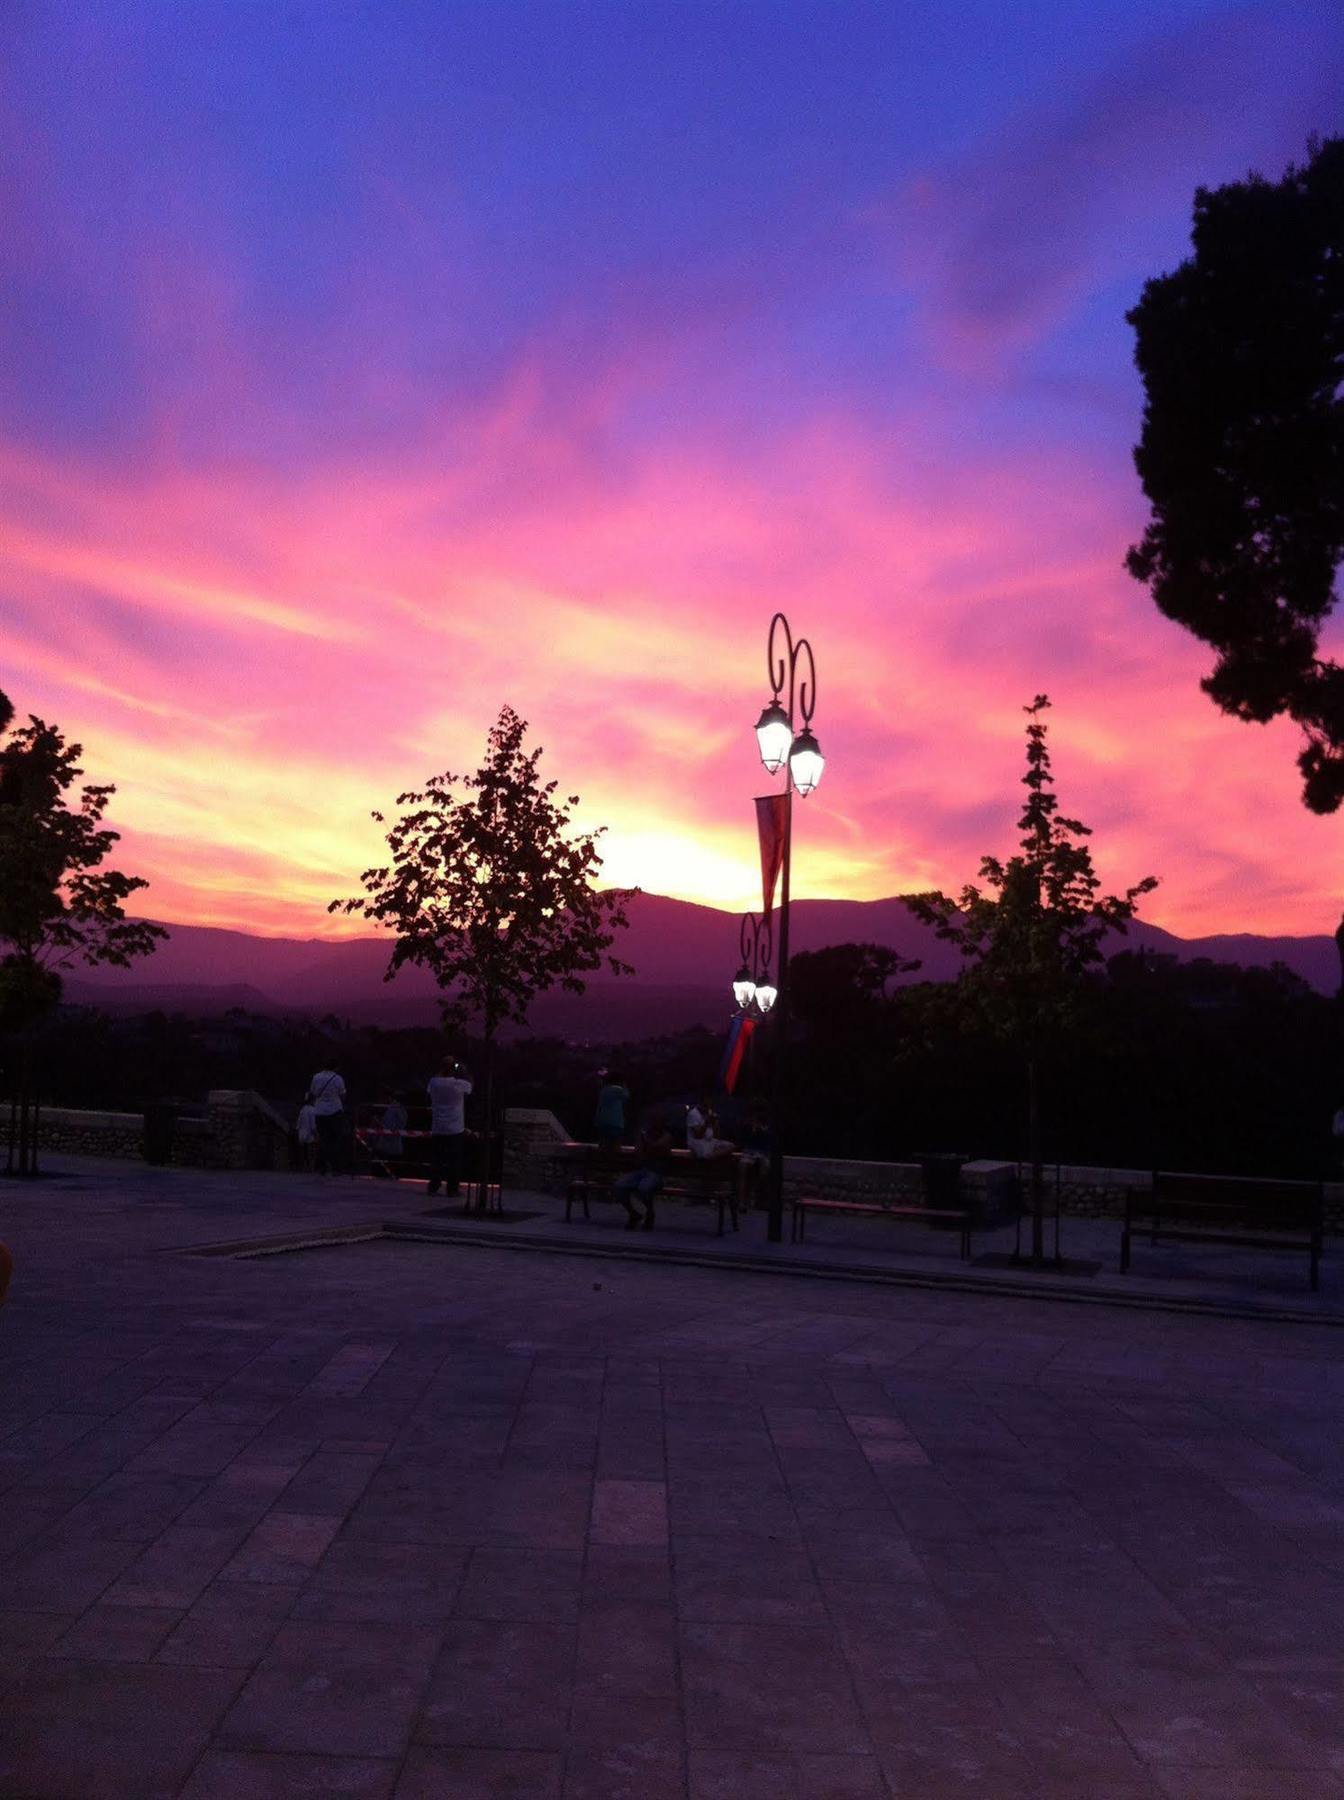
685,956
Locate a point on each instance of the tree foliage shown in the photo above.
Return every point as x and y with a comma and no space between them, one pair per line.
1040,922
1241,350
845,987
488,886
58,905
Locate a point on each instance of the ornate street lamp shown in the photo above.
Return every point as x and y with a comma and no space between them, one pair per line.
786,740
774,734
752,985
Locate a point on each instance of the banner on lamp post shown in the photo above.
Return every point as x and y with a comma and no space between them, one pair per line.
734,1051
772,822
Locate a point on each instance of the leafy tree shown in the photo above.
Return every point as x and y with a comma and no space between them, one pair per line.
58,905
844,984
1241,350
489,887
1031,939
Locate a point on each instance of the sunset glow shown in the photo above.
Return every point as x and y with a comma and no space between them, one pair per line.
364,370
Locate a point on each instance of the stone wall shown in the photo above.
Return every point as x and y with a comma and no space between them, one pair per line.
84,1133
236,1130
246,1132
539,1156
240,1130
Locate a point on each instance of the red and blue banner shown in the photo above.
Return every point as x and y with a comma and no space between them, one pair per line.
735,1051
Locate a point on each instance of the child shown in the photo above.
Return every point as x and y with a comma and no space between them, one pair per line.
306,1132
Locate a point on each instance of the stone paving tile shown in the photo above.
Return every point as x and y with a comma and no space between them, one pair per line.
625,1772
521,1584
745,1579
1208,1720
240,1496
175,1569
23,1637
252,1775
64,1571
1243,1784
767,1687
284,1549
338,1689
936,1761
134,1507
470,1774
629,1513
414,1584
627,1648
109,1633
733,1775
627,1572
500,1683
231,1626
118,1731
328,1483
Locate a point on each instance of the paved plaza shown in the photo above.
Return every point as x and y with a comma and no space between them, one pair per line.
427,1521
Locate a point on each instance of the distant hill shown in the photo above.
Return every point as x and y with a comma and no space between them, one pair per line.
684,955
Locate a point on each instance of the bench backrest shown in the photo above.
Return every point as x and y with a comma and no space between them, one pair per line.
1239,1199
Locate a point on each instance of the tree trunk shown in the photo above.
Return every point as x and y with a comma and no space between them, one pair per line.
1034,1157
488,1138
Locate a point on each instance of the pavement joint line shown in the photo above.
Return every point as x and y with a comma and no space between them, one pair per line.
403,1231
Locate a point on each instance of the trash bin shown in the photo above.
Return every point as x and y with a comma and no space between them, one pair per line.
160,1129
942,1184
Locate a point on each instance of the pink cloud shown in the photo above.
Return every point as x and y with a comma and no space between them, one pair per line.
257,663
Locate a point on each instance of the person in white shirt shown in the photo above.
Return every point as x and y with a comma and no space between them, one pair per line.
326,1096
448,1092
700,1132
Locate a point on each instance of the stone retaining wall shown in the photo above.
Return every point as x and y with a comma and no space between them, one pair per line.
239,1130
538,1155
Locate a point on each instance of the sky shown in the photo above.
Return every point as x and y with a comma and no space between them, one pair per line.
364,367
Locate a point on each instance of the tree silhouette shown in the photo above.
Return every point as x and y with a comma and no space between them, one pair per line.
489,887
58,905
1241,350
1030,941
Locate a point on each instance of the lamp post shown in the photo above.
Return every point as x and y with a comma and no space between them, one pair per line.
752,986
784,735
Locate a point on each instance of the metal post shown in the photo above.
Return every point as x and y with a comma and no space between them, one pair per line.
784,660
775,1221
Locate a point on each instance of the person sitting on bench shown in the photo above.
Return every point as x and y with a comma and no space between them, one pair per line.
702,1132
646,1178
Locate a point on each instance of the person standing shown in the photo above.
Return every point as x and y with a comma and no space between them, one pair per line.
390,1143
326,1096
609,1119
448,1092
306,1132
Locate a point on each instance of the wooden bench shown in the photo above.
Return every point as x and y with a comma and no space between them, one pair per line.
685,1177
960,1216
1227,1209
